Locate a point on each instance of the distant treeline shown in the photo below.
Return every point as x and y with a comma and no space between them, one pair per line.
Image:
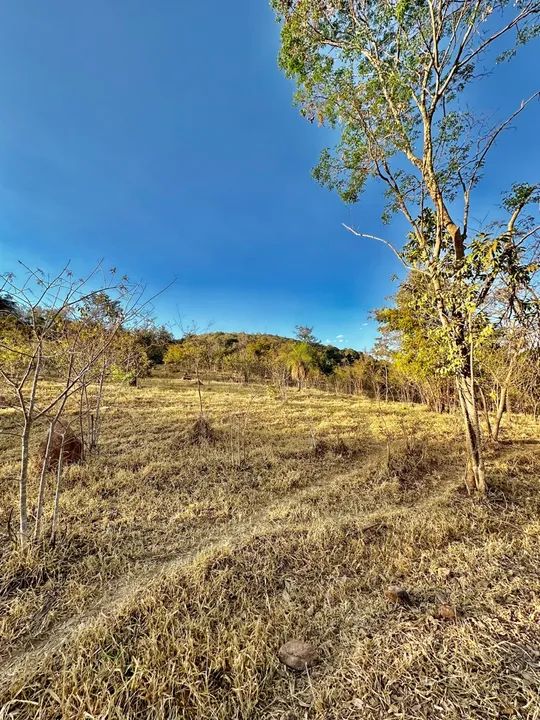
250,357
406,364
300,362
133,350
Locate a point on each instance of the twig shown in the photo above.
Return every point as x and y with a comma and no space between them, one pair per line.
387,243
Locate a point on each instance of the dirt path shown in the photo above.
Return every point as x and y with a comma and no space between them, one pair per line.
122,591
110,604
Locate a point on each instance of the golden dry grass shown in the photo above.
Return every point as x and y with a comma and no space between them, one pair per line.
183,566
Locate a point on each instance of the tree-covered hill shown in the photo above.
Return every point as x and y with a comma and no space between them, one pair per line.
259,356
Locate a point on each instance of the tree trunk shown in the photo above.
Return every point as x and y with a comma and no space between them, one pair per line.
475,473
23,483
486,412
81,424
42,484
56,503
96,425
25,442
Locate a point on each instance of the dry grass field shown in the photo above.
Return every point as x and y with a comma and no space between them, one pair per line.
183,564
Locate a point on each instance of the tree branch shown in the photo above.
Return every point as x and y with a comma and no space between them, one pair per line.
387,243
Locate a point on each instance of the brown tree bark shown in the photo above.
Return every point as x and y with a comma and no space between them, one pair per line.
475,472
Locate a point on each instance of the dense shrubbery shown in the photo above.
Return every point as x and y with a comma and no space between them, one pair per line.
505,363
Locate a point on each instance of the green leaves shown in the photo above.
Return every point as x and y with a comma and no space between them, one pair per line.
521,194
389,76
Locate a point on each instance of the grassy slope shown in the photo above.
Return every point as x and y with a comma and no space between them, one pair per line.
183,567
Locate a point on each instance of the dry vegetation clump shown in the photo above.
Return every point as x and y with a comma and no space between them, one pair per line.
192,571
201,431
338,447
63,442
409,463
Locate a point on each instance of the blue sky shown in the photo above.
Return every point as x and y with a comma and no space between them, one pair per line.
161,137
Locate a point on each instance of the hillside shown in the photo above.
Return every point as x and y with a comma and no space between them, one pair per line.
248,356
236,341
184,563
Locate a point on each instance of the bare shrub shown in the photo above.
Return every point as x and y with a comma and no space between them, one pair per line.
63,328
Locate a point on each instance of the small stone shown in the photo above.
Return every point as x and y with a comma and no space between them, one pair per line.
297,654
446,612
397,595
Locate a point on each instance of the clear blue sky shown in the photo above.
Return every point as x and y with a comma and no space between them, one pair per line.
161,137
